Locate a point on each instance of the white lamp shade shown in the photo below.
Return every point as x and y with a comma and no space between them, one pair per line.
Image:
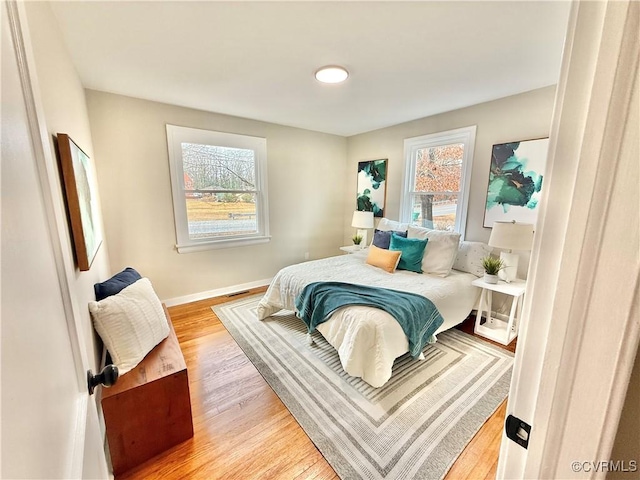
362,219
511,236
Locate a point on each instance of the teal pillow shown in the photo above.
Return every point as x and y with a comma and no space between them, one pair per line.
412,252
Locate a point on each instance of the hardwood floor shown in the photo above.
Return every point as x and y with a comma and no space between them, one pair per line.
242,429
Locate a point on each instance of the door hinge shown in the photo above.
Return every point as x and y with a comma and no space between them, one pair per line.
517,430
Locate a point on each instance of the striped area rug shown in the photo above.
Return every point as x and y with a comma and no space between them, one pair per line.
415,426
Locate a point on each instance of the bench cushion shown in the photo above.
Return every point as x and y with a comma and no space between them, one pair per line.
130,323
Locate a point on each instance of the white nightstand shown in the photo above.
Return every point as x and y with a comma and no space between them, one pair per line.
353,248
494,328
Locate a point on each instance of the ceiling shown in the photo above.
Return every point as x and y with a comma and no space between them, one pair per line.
257,60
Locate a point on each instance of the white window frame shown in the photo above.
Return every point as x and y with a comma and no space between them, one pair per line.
175,137
466,136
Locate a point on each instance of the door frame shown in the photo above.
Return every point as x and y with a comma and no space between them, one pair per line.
559,361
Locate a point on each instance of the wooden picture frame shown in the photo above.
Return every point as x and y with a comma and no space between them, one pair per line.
81,197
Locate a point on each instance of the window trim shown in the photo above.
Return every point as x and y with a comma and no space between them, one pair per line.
466,136
176,135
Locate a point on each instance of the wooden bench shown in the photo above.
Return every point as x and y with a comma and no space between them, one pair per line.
148,410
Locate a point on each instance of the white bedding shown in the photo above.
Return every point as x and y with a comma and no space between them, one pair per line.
368,339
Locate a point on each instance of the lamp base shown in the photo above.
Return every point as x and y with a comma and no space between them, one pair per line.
363,234
510,270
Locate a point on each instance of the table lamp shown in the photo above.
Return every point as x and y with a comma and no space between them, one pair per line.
362,221
510,236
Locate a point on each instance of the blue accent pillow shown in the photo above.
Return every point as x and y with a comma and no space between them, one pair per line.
382,238
116,283
412,252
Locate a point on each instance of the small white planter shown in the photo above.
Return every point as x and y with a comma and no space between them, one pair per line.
493,279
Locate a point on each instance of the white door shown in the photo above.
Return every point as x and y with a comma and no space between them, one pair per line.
49,428
581,322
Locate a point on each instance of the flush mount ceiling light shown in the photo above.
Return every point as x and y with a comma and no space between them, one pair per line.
332,74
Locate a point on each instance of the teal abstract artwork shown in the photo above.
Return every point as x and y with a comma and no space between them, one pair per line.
372,187
515,181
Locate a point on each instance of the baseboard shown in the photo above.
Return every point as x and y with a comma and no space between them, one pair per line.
218,292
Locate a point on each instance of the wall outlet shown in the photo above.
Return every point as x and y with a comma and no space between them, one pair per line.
306,255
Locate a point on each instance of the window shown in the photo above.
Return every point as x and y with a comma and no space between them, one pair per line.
437,176
219,188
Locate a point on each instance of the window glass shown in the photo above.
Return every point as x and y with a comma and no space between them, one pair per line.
219,193
438,173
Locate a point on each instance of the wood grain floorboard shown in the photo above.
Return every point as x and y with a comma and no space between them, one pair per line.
241,428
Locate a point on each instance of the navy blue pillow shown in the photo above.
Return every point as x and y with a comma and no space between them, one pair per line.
382,238
116,283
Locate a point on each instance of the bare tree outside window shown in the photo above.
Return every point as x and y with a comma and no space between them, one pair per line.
219,185
219,168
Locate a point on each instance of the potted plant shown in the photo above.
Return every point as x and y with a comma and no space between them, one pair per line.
357,239
492,266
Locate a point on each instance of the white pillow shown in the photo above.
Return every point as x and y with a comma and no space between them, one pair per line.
385,225
441,250
130,323
469,258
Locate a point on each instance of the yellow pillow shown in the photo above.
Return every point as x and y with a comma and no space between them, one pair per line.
384,259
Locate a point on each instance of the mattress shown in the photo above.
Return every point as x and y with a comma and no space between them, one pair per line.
368,339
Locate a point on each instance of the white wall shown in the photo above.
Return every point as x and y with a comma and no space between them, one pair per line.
519,117
65,111
306,177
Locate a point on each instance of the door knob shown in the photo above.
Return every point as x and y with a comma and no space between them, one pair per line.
107,377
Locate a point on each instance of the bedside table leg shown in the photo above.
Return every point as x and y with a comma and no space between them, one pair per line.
511,328
479,310
513,314
518,313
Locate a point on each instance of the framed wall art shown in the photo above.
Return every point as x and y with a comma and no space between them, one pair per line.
82,205
515,181
372,187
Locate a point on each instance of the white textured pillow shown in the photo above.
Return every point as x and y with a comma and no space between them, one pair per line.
469,258
385,225
130,323
441,250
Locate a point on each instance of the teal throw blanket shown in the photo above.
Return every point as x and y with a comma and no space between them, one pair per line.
417,315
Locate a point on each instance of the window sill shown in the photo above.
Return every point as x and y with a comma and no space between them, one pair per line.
216,244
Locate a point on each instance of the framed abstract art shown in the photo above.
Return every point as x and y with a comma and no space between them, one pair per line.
515,181
372,187
82,200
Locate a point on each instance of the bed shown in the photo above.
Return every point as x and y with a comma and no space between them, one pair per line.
367,339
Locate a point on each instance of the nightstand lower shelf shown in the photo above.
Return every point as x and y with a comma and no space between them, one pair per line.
497,330
494,328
